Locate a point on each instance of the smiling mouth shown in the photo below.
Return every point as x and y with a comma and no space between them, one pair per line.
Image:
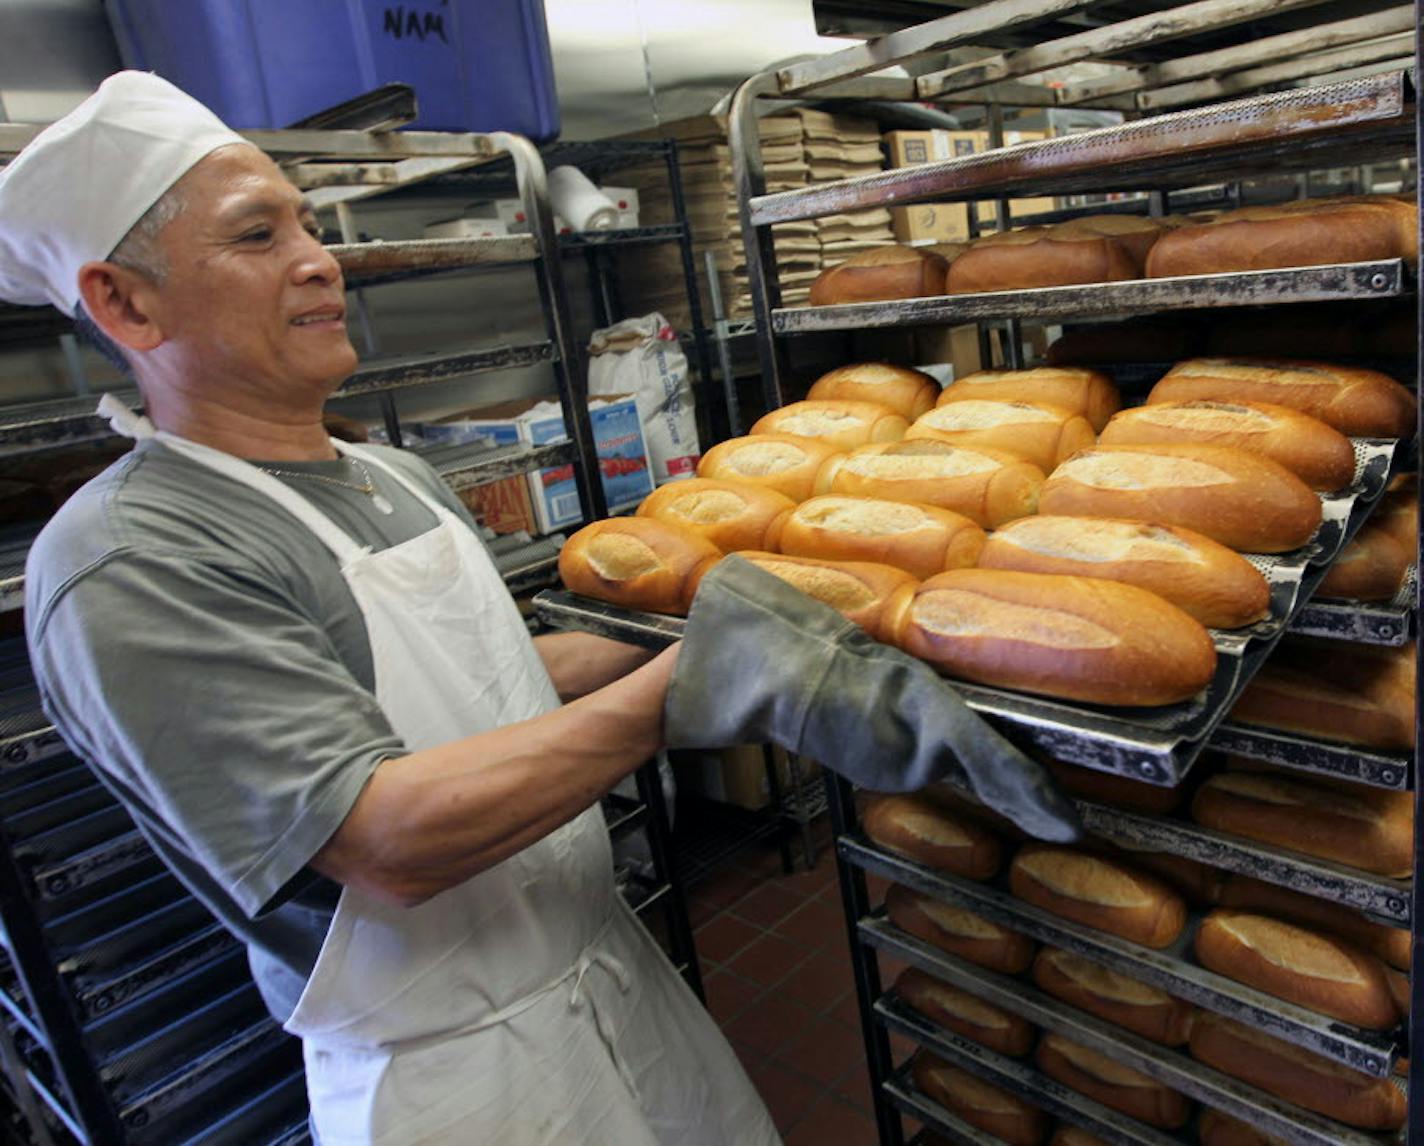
311,319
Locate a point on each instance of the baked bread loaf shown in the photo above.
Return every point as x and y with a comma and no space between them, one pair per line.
1007,1117
1398,515
782,462
1371,829
1040,257
1241,500
987,486
1353,693
1098,892
1074,1136
732,515
883,273
1198,883
1116,1086
1202,577
1319,455
1357,402
1114,790
921,539
1134,1006
965,1014
959,932
1391,944
1069,637
1303,234
1372,567
1137,233
908,392
637,562
874,596
1297,1075
1038,433
1301,966
839,423
929,831
1085,392
1217,1129
1149,339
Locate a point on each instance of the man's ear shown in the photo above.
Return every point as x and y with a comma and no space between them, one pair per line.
121,303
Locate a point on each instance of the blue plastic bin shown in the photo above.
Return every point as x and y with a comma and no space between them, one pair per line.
476,65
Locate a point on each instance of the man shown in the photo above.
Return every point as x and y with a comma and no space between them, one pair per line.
297,667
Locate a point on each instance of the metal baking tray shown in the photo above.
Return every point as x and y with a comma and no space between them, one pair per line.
58,877
900,1088
1382,278
26,734
1018,1078
1385,899
98,991
87,810
1341,761
1371,623
136,900
1370,1052
267,1117
1171,1067
20,794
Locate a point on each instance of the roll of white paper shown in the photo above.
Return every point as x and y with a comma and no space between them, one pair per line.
582,204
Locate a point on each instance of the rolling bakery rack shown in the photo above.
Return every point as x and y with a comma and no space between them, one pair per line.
1341,121
127,1014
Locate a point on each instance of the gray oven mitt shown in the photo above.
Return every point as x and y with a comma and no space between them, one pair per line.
761,661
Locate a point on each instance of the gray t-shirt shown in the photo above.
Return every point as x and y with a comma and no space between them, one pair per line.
198,647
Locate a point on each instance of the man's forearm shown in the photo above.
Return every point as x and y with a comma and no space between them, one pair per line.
580,663
433,819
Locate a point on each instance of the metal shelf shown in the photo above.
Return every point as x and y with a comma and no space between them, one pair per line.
1386,899
624,815
901,1090
1346,123
1388,278
1337,760
61,877
466,466
1172,1068
1370,1052
1370,623
366,264
621,237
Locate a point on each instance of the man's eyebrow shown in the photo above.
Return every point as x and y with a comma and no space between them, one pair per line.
260,206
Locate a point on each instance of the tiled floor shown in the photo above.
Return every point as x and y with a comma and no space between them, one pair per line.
776,967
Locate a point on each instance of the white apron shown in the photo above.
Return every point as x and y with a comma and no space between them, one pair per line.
527,1006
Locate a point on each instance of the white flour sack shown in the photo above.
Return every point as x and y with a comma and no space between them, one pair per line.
642,357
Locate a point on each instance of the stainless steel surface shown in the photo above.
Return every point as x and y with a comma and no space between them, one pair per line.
1173,1068
1171,969
1180,149
1309,754
1388,278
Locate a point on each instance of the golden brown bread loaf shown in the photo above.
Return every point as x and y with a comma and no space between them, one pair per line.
883,273
874,596
1041,257
1372,567
1371,828
1398,515
782,462
987,486
1243,501
1357,402
637,562
1400,993
908,392
1114,790
958,931
1315,971
732,515
1007,1117
1137,233
1086,392
1098,892
921,539
1217,1129
1204,578
930,831
1304,234
1074,1136
1198,883
839,423
1037,432
1114,1085
1391,944
963,1013
1297,1075
1134,1006
1069,637
1318,454
1351,693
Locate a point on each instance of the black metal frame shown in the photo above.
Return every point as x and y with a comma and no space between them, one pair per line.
757,212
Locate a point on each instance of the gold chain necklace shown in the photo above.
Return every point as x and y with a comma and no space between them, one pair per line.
367,486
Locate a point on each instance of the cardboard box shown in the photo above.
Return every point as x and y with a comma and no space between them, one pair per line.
552,492
502,505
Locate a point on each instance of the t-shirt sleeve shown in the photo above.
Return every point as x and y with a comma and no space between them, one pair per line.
216,709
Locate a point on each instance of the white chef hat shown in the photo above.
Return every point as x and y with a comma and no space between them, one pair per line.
83,182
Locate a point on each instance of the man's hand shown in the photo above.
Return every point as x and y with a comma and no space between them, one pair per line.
581,663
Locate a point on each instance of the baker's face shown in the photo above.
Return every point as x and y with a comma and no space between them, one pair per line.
251,297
